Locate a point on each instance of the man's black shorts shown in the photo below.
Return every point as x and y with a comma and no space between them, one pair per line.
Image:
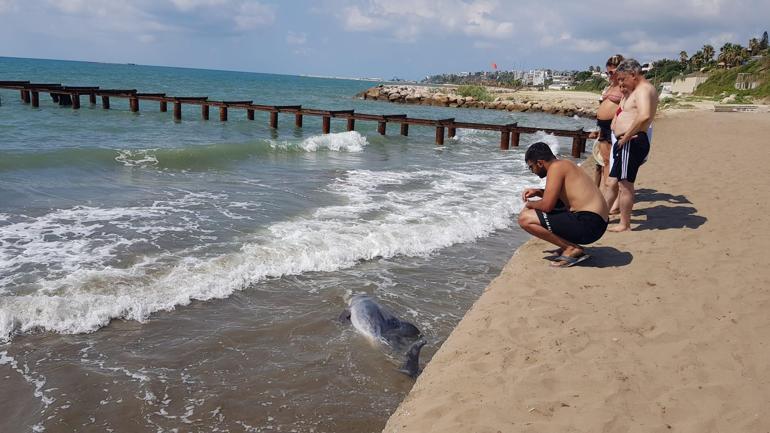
576,227
628,159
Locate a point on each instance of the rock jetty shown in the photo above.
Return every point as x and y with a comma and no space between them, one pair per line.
504,99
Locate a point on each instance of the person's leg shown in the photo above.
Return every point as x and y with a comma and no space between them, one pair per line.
626,202
610,190
529,221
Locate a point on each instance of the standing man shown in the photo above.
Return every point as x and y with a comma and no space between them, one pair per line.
572,210
631,126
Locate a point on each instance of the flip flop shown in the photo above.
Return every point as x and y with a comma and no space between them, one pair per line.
567,261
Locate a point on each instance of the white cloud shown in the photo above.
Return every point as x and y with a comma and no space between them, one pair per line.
296,38
355,20
189,5
7,5
406,20
252,15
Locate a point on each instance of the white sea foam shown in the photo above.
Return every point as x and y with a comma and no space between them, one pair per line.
67,241
385,213
351,141
137,158
551,140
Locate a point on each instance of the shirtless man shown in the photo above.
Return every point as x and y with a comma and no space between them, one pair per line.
572,210
631,126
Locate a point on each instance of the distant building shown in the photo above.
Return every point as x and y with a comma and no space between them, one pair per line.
686,85
538,77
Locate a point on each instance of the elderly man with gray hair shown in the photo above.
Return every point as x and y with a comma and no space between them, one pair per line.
632,126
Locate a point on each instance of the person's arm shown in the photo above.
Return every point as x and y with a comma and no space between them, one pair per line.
643,116
553,186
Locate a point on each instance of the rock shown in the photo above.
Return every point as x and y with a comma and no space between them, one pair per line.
730,99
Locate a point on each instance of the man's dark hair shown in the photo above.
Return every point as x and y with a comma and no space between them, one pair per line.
539,151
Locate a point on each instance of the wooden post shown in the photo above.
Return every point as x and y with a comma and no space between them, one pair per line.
35,99
25,96
223,113
576,147
351,124
250,114
298,120
21,94
133,103
381,127
178,111
404,129
163,106
326,124
76,101
55,98
274,119
515,136
106,102
451,131
92,98
205,111
440,135
582,144
505,139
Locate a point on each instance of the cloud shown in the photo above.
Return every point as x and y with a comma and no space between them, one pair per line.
189,5
407,20
296,38
252,15
7,5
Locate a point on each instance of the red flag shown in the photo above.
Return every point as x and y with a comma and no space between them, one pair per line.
494,66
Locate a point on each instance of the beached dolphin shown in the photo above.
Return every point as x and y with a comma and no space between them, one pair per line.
381,327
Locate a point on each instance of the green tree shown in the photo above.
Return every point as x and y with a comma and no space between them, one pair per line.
754,46
683,58
708,54
763,43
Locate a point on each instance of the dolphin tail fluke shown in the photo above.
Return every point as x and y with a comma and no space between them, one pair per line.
411,366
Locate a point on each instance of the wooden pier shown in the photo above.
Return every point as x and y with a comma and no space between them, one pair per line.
70,96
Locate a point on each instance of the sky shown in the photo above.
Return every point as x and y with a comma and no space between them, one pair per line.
372,38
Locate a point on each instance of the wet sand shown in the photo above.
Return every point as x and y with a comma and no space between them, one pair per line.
664,329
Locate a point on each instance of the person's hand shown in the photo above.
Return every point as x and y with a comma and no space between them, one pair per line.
593,134
623,139
530,192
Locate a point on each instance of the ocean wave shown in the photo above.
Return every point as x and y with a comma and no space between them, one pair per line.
194,157
350,141
385,214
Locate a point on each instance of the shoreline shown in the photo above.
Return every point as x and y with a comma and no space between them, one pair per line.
559,102
664,329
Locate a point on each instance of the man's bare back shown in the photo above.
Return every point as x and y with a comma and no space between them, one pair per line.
578,191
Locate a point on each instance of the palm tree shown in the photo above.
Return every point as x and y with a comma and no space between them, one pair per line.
696,61
708,54
683,57
763,43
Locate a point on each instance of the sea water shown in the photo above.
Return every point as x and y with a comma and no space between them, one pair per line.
186,276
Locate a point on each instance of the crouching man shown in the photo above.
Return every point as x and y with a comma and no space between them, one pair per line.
571,211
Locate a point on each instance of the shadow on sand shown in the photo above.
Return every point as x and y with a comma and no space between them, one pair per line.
663,217
650,195
601,257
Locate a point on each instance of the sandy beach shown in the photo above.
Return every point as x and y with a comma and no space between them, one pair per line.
664,329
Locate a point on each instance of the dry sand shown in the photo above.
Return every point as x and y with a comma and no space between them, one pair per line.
665,329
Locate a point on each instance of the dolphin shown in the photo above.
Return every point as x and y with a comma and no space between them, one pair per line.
383,328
